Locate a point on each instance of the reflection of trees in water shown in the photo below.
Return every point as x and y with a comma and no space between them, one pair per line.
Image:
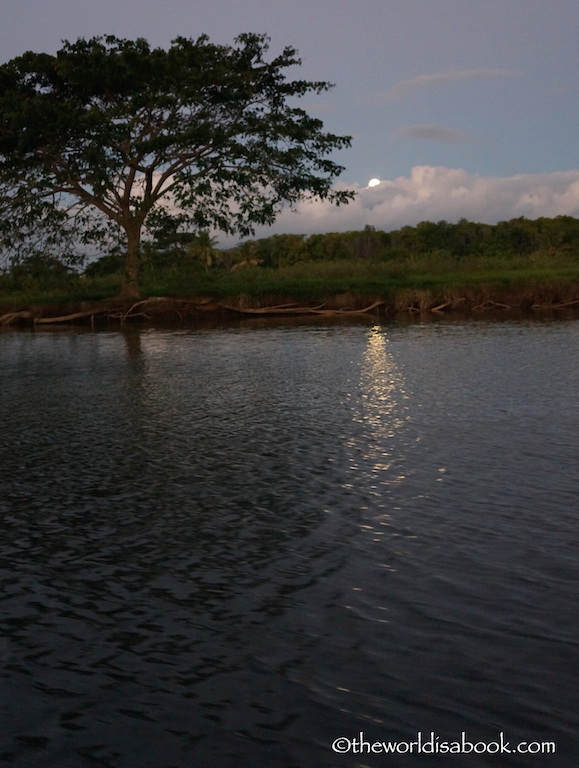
231,442
133,346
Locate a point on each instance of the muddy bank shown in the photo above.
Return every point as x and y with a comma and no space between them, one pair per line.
189,310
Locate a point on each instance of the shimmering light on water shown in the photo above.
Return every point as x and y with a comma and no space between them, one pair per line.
230,547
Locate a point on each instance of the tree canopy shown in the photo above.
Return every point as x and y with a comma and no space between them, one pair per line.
109,138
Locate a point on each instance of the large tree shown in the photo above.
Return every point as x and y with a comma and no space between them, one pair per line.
109,137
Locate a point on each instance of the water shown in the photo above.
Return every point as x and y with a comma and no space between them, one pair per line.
231,547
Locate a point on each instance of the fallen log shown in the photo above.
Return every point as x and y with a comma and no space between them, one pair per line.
349,311
555,306
440,307
12,317
490,304
281,309
288,309
110,311
69,318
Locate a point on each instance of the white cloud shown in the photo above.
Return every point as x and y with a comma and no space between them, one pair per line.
405,87
436,133
435,193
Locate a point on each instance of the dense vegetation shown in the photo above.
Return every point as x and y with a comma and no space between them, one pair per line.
112,139
434,257
432,241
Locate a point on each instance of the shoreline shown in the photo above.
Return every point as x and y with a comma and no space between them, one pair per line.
472,302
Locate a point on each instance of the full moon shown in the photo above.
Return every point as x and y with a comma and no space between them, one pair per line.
373,182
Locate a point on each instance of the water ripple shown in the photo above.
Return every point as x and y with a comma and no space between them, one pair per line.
231,547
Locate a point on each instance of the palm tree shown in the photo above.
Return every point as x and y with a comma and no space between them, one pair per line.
203,247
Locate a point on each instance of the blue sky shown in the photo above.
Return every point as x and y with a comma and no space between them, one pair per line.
460,107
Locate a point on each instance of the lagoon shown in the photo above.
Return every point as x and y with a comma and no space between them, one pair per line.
233,546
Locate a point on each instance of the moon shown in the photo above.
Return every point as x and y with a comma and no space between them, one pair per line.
373,182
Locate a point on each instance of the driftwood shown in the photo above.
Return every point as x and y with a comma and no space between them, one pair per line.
440,307
555,306
293,309
113,311
279,309
69,318
152,307
108,312
363,311
12,317
122,316
490,304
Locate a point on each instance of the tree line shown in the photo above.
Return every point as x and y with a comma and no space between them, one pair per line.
436,240
520,236
174,252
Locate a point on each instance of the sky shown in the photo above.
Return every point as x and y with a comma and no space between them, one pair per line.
461,108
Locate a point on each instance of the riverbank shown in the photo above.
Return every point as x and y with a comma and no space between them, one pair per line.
428,284
475,301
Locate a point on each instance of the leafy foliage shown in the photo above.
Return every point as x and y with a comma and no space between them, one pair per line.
544,266
110,134
430,242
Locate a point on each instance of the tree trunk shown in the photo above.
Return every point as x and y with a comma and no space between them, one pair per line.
130,284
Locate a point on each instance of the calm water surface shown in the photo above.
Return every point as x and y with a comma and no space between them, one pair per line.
228,548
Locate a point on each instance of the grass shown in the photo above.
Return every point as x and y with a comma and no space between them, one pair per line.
316,280
73,290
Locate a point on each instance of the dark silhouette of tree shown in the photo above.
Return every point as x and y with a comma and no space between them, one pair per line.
98,140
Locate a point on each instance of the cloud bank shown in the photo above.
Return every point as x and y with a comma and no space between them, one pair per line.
435,193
